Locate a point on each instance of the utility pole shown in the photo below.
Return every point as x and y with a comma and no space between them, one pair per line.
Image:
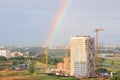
97,31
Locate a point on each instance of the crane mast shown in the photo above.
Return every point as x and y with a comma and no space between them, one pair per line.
46,58
97,31
66,51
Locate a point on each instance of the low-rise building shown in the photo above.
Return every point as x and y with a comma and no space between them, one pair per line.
16,54
67,64
60,67
5,52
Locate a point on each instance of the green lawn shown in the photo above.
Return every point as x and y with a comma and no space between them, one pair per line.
114,63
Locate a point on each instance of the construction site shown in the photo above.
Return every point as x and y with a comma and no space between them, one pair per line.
85,49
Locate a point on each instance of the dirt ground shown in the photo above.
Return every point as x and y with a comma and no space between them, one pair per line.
16,78
6,72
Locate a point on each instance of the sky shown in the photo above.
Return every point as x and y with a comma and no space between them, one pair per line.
29,21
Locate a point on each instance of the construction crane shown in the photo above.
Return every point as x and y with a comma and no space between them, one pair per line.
46,59
97,31
66,51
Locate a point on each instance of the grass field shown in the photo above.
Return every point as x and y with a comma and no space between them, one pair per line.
114,64
11,75
52,78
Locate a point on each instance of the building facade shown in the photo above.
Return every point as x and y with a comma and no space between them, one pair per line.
67,64
5,52
60,67
82,56
16,54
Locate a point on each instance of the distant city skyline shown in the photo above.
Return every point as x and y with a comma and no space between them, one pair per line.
28,22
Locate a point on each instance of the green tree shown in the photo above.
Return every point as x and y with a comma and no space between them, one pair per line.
95,79
2,58
118,73
31,68
17,58
115,78
15,63
100,70
101,60
54,61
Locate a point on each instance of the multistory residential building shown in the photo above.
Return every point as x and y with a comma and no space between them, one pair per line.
82,56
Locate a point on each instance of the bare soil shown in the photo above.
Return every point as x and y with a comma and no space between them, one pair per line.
16,78
5,76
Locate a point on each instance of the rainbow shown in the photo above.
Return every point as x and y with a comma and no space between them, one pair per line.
57,21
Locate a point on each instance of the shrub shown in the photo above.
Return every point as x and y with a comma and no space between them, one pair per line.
31,68
115,78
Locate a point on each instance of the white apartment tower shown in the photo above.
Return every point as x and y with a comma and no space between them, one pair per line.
82,56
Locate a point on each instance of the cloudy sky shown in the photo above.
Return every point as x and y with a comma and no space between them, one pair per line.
29,21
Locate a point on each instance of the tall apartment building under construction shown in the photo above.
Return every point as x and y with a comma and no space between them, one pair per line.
82,56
